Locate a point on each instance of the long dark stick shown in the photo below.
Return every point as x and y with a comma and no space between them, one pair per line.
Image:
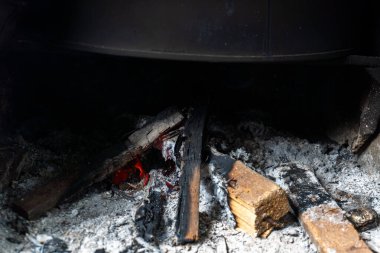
188,212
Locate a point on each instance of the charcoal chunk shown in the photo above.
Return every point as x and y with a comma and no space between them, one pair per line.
363,218
148,217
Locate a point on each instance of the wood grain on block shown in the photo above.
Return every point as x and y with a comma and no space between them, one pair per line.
255,199
319,214
247,228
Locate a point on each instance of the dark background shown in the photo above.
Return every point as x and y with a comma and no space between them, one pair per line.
43,87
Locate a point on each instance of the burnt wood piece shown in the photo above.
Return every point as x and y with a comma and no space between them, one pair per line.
98,168
319,214
188,206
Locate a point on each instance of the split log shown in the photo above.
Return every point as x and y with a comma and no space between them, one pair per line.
100,166
318,213
257,203
188,206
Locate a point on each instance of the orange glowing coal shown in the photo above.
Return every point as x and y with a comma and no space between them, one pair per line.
133,172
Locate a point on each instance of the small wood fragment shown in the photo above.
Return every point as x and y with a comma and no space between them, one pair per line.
318,213
98,168
188,207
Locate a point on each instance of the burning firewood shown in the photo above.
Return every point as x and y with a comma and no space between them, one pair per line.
319,214
100,166
188,210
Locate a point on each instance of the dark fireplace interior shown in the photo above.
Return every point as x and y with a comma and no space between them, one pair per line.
67,106
79,91
76,176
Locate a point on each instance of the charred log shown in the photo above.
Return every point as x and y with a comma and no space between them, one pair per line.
188,207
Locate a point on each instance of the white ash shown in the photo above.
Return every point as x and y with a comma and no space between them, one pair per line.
146,246
221,245
316,213
221,193
242,155
334,165
103,219
373,240
168,150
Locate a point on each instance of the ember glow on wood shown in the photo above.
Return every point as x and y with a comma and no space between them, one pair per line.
98,168
131,171
188,211
319,214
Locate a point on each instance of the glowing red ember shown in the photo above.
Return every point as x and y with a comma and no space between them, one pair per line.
132,172
143,174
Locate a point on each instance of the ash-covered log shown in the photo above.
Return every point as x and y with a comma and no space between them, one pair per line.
98,168
319,214
188,206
